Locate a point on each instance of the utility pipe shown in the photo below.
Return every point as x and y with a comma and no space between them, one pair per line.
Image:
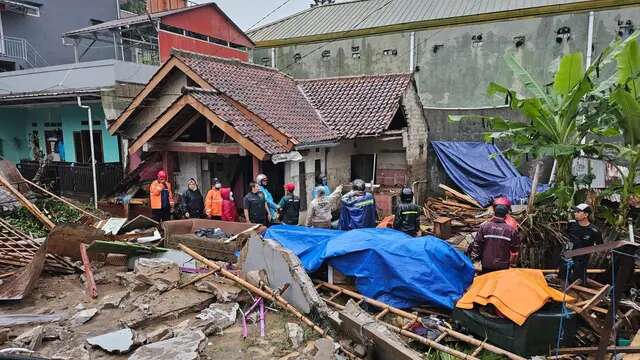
590,39
93,157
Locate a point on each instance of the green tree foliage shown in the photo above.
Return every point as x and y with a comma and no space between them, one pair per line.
135,6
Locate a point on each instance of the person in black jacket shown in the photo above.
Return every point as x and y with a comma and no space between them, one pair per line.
192,201
289,206
407,217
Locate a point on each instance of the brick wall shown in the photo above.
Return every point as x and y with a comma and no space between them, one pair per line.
416,140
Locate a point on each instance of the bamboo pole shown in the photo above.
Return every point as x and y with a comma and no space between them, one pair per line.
197,278
61,199
414,317
534,187
267,294
28,204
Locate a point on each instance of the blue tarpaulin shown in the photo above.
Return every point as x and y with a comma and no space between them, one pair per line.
388,265
479,174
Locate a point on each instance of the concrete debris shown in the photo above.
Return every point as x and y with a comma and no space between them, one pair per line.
163,333
218,317
76,353
113,301
326,349
32,339
162,273
364,328
100,278
282,266
225,290
292,356
129,280
186,345
83,316
54,332
120,341
80,307
295,334
254,277
171,304
28,319
4,335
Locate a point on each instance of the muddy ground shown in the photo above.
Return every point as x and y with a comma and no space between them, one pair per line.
65,295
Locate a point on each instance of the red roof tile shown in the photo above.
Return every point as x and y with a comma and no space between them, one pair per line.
245,126
266,92
357,106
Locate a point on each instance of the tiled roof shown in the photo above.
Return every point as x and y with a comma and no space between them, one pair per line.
245,126
357,106
266,92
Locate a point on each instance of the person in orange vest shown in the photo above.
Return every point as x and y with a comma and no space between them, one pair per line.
161,197
213,203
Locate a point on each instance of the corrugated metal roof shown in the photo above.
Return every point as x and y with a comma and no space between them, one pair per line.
132,20
365,14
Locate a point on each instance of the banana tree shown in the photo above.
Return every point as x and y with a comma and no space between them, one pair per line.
615,107
555,127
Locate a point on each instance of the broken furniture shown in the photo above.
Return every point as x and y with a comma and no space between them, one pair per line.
183,232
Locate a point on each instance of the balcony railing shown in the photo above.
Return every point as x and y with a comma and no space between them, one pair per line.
18,48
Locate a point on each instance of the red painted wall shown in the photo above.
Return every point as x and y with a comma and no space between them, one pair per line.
170,41
209,20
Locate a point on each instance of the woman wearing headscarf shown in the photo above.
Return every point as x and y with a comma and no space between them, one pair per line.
193,201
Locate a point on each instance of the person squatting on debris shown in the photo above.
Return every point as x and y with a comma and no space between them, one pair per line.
255,206
497,243
321,182
192,201
161,197
289,206
263,181
357,208
581,233
214,201
229,212
319,214
407,217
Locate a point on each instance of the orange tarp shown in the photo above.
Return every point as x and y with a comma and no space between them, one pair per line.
516,293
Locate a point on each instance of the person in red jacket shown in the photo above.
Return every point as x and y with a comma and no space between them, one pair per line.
496,243
229,212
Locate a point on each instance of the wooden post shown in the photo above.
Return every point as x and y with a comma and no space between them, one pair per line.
624,271
534,186
256,166
26,203
208,131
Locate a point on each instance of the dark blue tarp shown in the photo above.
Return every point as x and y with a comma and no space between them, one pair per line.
388,265
479,174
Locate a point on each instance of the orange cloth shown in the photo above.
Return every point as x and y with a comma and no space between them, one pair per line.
387,222
154,194
213,203
516,293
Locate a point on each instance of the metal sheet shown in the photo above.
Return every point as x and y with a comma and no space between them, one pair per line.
20,285
356,15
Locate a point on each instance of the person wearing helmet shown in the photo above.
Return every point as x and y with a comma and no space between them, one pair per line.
213,203
496,242
357,208
321,182
319,213
161,197
407,216
581,233
503,200
263,182
289,206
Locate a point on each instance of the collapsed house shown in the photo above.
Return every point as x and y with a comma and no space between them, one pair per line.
212,117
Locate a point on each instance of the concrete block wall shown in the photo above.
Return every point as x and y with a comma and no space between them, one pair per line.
292,174
417,132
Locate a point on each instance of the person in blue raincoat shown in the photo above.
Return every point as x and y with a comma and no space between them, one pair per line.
262,181
321,182
357,208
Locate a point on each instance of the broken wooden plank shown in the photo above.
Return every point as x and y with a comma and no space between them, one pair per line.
68,203
21,284
459,195
27,204
593,350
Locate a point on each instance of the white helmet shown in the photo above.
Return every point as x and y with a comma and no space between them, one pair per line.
260,177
